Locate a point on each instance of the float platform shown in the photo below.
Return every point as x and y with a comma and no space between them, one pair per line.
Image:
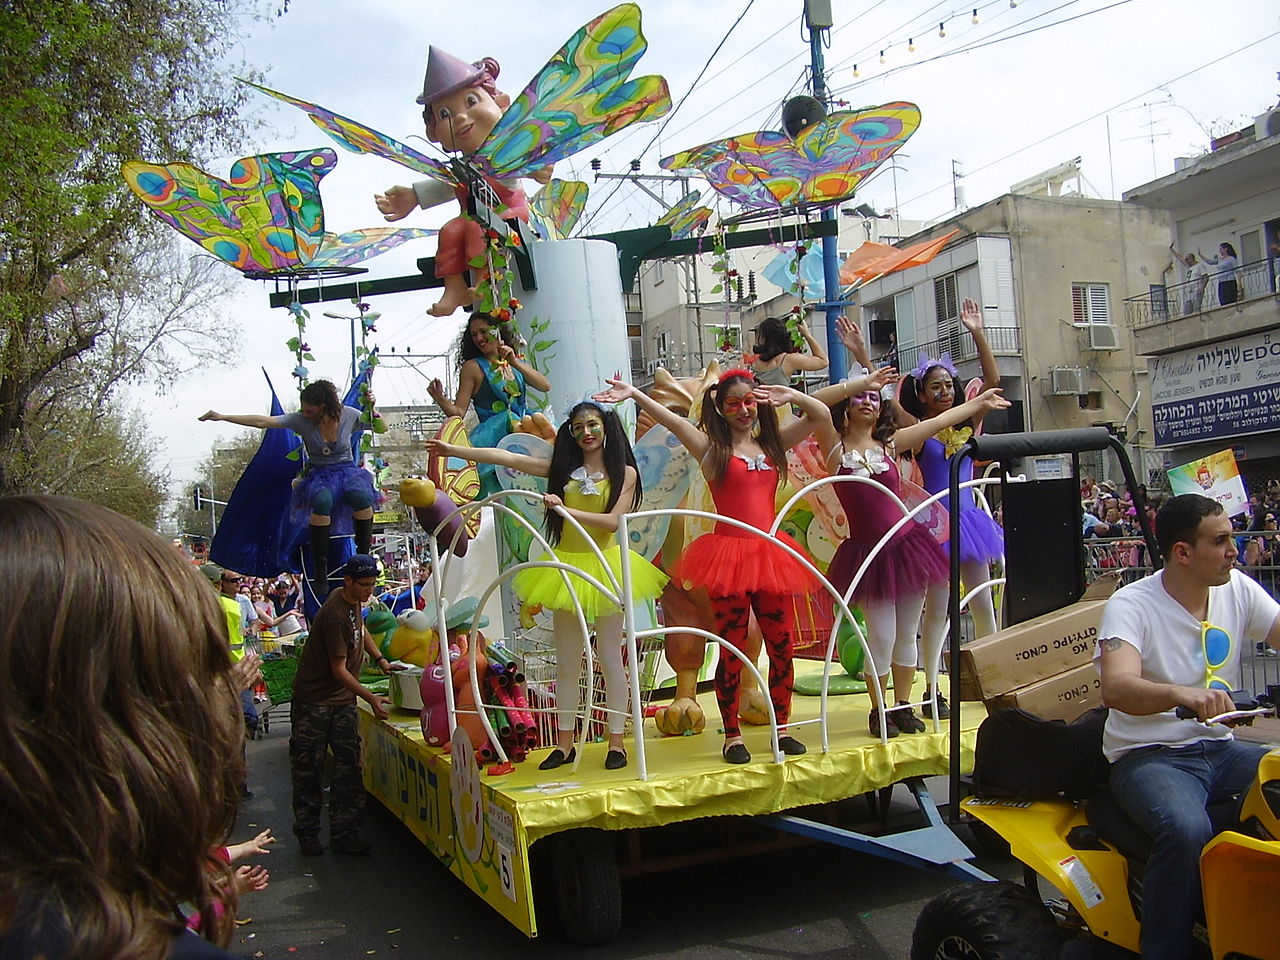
483,826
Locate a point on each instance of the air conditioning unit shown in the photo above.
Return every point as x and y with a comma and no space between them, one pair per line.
1267,124
1068,381
1103,336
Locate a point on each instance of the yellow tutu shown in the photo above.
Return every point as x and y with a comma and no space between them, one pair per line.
546,588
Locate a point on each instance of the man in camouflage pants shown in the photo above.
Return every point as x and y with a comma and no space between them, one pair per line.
323,715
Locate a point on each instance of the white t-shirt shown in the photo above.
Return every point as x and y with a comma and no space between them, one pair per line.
1167,636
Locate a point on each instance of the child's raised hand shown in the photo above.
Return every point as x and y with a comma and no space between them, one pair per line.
773,395
258,845
882,377
251,878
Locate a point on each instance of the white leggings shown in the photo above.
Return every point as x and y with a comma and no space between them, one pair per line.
891,631
568,668
981,608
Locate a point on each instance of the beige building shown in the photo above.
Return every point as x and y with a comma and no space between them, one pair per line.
1050,273
1215,365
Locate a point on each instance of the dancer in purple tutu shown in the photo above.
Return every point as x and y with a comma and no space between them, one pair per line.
864,441
331,475
929,391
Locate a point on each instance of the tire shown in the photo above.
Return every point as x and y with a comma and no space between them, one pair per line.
985,921
587,889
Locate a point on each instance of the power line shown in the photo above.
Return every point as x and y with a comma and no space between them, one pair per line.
667,119
1104,112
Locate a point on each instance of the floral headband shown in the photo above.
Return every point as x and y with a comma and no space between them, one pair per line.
927,362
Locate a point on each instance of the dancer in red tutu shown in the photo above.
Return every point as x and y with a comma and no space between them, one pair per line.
743,458
863,441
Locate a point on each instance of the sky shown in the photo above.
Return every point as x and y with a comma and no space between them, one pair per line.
1126,86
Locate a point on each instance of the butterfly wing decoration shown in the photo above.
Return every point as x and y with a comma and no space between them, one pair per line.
686,218
353,246
526,445
665,469
935,518
266,220
555,208
358,138
457,477
831,526
823,165
579,98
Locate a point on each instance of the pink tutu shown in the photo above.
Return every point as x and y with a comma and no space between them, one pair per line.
908,564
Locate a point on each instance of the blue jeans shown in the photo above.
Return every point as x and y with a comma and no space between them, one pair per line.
1166,792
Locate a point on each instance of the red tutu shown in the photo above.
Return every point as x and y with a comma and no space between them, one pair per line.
908,564
729,564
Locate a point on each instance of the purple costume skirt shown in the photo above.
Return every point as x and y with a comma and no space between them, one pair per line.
908,564
337,481
981,539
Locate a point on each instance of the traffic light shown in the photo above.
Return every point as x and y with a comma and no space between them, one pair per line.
195,496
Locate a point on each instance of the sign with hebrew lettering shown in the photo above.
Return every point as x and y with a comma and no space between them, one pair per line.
1217,477
1226,389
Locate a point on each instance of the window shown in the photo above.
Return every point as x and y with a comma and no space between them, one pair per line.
1090,303
661,344
947,312
904,312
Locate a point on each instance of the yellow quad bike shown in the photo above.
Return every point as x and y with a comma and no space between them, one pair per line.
1093,855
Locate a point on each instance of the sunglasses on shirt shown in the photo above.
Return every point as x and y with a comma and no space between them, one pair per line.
1216,644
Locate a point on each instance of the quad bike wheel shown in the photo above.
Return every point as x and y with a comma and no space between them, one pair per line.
986,921
587,888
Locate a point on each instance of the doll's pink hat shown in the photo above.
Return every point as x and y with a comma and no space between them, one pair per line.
447,74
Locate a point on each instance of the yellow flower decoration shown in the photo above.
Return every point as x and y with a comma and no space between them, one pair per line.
953,439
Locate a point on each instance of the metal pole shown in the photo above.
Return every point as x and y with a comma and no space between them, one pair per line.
830,267
353,350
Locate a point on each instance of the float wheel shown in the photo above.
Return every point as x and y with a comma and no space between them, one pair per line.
586,885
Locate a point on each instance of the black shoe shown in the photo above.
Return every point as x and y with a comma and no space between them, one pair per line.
557,758
354,845
944,709
246,793
905,719
615,759
737,753
873,724
791,746
310,846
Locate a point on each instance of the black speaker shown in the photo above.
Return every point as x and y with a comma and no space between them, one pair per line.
1037,580
800,112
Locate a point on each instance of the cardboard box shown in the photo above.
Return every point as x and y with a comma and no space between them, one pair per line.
1035,650
1064,697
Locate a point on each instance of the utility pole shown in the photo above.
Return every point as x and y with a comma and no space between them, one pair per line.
817,15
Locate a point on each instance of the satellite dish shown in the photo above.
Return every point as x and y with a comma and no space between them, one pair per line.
801,112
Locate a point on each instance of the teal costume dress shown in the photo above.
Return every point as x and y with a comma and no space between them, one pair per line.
541,586
499,403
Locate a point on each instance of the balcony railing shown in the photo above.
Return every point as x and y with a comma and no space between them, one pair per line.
1192,298
1005,341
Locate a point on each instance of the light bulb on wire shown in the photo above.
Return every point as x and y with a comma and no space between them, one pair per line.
911,45
975,14
882,56
856,74
942,29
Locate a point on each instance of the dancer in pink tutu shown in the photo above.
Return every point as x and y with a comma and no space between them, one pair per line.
864,441
743,457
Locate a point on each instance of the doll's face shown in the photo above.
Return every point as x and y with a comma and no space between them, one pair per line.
464,119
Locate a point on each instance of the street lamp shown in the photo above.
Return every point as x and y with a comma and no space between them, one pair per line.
365,316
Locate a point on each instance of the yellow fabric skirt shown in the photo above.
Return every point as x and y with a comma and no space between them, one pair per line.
546,588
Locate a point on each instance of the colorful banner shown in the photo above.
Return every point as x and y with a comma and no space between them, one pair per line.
1226,389
1216,476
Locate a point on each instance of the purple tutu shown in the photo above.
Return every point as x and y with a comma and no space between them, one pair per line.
981,539
908,564
339,481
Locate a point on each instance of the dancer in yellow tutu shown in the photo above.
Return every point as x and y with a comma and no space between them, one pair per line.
591,474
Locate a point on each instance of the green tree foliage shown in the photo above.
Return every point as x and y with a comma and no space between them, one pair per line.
90,292
219,473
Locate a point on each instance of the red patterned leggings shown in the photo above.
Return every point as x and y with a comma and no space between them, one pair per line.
775,612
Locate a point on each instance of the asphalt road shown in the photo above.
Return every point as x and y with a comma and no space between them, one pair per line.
812,902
